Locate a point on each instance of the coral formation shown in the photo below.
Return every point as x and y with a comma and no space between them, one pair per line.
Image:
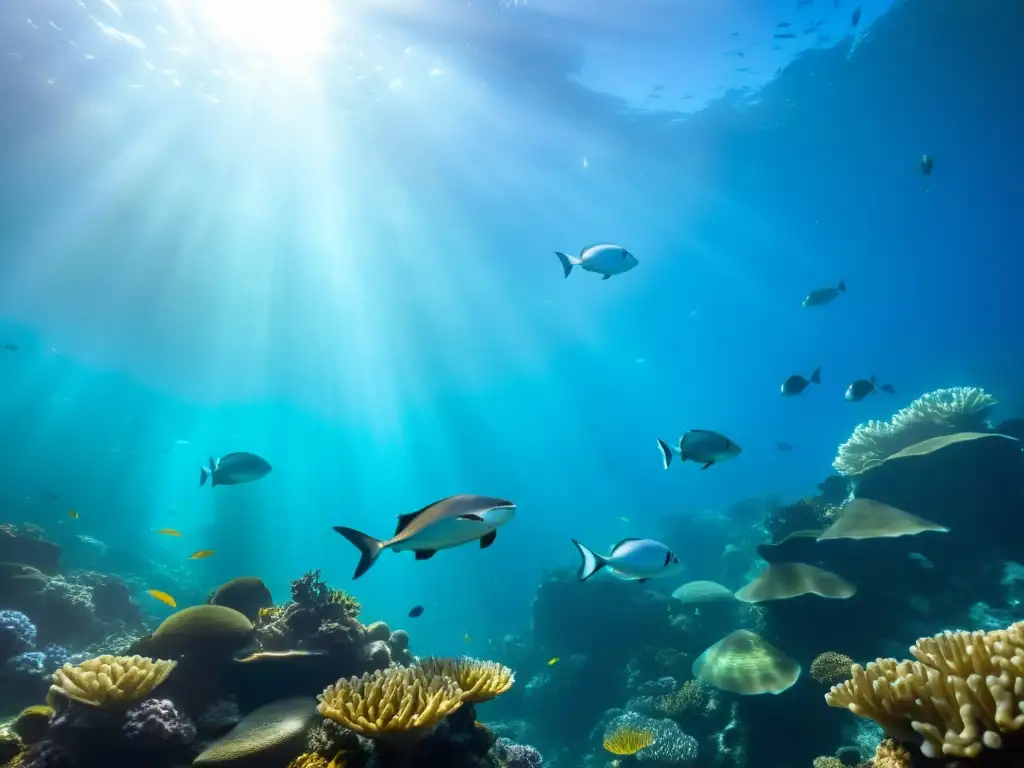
862,519
961,695
828,761
246,594
889,754
627,741
829,668
669,744
158,723
479,680
202,630
696,592
110,681
744,663
399,700
17,634
272,733
783,581
942,412
32,723
508,754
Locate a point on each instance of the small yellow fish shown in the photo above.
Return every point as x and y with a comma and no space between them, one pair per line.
72,514
201,554
163,597
169,532
553,661
468,638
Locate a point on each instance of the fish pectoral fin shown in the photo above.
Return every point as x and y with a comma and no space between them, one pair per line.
486,541
707,465
471,516
606,277
425,554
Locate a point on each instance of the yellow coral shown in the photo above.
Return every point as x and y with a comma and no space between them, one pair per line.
963,694
309,760
828,761
111,682
628,741
397,700
829,668
479,680
889,754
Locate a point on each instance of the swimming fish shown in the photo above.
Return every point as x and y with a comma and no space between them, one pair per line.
416,612
631,560
169,532
234,468
864,387
785,447
700,445
796,383
11,347
199,555
855,19
444,524
823,296
552,662
926,164
467,638
784,36
163,597
603,258
72,514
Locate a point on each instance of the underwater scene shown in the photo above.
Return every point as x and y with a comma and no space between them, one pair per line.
511,384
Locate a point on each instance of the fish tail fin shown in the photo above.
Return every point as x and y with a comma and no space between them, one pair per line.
568,262
816,376
666,453
204,475
592,562
369,548
841,287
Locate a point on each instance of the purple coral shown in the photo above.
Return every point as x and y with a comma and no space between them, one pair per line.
514,755
158,723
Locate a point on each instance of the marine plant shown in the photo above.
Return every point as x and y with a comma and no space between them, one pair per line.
962,695
938,413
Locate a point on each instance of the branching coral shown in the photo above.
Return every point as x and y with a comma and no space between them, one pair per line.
395,701
111,682
964,692
889,754
942,412
829,668
479,680
692,696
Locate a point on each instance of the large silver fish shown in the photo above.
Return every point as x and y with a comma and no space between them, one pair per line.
442,525
700,445
603,258
234,468
630,560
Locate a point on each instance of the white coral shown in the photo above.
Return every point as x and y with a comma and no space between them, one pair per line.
942,412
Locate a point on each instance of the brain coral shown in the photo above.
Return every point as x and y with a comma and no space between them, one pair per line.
942,412
964,693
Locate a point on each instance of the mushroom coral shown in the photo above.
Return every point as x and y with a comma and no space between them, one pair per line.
110,682
963,693
393,701
479,680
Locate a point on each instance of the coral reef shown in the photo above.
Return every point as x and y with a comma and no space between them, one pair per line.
829,668
508,754
938,413
247,594
479,680
962,695
668,743
17,634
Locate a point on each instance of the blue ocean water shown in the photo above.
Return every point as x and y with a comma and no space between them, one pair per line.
326,237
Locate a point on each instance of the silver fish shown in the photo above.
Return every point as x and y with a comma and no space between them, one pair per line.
233,469
700,445
630,560
442,525
603,258
823,296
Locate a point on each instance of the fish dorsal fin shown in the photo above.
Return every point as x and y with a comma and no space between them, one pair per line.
624,541
404,520
587,247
